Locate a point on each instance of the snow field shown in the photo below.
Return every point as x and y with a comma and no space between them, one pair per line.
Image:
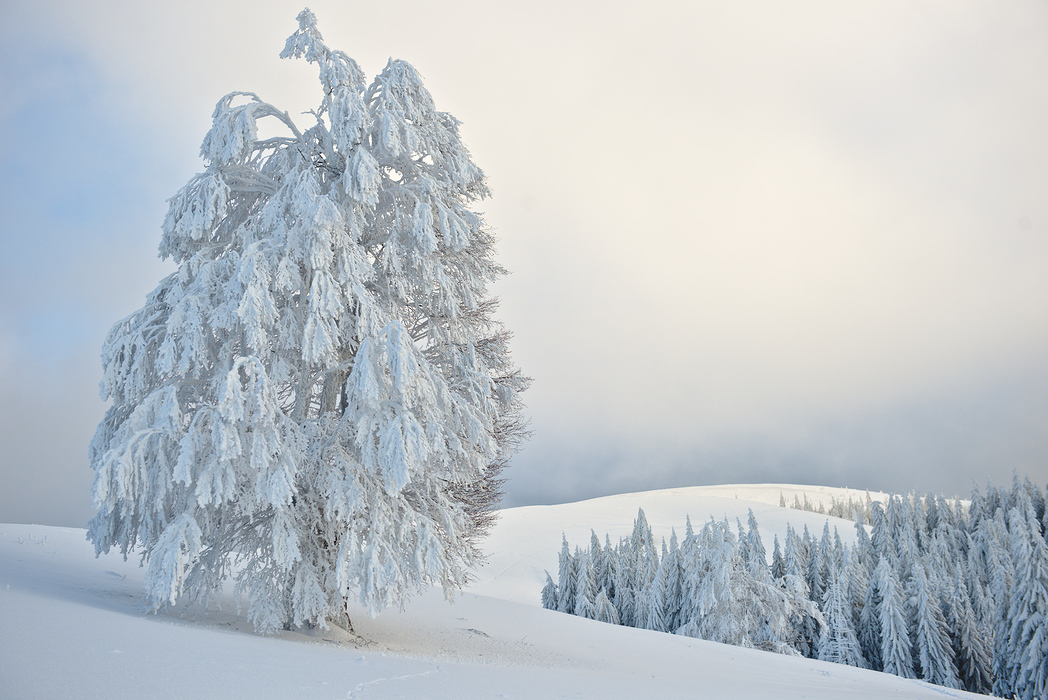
72,627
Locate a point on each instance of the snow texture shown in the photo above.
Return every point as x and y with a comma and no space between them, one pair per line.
73,627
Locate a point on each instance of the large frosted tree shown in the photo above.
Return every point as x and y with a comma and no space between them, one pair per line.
319,399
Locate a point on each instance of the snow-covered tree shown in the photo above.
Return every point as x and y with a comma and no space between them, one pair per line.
869,631
605,610
838,642
320,393
757,556
1028,616
895,653
971,647
659,595
585,585
549,594
932,639
566,578
778,564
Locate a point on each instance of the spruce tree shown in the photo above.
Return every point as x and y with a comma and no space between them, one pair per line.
674,584
778,564
659,596
838,642
758,556
1028,612
610,572
585,585
320,392
932,638
605,610
970,646
566,579
549,594
880,533
869,631
896,649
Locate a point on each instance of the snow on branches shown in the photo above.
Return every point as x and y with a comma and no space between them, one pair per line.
320,394
957,597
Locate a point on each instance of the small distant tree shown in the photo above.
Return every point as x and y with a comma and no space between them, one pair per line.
585,585
320,395
549,594
778,564
605,609
566,578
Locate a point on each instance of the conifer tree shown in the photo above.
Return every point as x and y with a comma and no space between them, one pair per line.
549,594
605,610
838,642
855,582
778,564
932,640
610,571
896,655
970,645
1028,612
659,596
625,591
585,585
869,631
320,391
566,579
1001,579
674,583
880,533
758,556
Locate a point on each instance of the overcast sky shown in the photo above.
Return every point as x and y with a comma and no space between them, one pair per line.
750,241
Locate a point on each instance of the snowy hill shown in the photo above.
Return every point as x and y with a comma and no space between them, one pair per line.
72,627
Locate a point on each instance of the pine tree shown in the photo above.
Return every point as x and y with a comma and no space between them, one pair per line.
856,583
758,556
869,631
880,533
1001,575
320,391
585,586
647,569
625,583
1028,613
838,642
1044,518
674,584
971,648
566,579
605,610
549,594
660,595
932,639
797,565
611,568
778,564
895,652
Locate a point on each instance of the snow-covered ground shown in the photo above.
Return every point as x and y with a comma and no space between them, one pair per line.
71,626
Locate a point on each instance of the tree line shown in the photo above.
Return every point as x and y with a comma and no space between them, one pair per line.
932,589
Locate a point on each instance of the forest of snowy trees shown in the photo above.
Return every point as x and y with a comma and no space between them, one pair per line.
953,595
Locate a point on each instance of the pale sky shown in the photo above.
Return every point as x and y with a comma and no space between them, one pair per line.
750,241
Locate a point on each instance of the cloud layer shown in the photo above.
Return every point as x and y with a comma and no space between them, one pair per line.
762,241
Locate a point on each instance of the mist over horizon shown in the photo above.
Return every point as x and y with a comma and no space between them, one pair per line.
760,243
